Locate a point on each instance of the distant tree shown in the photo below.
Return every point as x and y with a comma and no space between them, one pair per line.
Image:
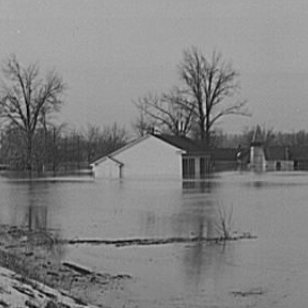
13,147
170,112
204,98
211,85
268,136
26,98
91,136
144,123
112,138
299,138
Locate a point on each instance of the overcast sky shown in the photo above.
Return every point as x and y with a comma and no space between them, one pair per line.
111,52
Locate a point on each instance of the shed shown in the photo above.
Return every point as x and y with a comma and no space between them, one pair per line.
151,156
164,156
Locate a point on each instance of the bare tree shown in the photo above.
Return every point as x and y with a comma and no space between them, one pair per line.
26,98
91,135
210,84
267,135
170,112
206,97
112,138
144,122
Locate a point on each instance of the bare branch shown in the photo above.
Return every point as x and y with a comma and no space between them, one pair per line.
209,84
26,98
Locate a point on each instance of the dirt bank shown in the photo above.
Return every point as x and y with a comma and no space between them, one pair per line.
36,255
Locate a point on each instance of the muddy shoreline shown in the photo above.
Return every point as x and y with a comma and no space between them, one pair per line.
39,255
36,256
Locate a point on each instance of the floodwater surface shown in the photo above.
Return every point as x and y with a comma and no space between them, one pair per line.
270,270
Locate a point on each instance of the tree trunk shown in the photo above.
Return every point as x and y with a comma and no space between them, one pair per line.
29,153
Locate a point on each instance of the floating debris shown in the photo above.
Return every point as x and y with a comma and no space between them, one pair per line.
250,292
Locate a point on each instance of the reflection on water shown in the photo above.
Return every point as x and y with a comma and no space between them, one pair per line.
200,219
271,206
28,205
36,210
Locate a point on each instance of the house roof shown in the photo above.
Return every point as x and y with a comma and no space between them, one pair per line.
229,154
299,153
286,153
185,144
257,138
115,160
195,148
277,153
217,154
108,158
110,155
181,142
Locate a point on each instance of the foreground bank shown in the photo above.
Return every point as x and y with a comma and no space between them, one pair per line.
33,273
19,291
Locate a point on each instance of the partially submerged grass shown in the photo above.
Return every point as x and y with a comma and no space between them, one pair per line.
224,226
224,223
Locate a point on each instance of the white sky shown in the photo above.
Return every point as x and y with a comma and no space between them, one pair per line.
109,52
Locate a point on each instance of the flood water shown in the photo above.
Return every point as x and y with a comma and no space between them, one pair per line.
268,271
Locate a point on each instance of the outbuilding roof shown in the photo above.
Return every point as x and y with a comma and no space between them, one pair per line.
299,153
181,142
185,144
277,153
286,153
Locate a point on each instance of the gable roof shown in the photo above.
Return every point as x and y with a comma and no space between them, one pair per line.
299,153
286,153
277,153
110,155
225,154
257,138
175,141
217,154
114,160
184,144
181,142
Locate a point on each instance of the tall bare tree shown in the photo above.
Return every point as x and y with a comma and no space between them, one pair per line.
211,85
26,98
207,94
169,112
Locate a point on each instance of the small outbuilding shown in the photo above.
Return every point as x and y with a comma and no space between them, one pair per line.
151,156
162,156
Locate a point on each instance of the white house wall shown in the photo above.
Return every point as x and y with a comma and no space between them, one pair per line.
257,158
150,158
107,169
285,165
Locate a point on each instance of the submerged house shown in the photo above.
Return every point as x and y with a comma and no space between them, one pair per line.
276,158
163,156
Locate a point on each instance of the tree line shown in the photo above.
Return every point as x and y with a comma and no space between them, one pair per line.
270,138
58,149
30,140
208,90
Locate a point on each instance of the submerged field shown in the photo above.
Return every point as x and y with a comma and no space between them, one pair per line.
143,236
